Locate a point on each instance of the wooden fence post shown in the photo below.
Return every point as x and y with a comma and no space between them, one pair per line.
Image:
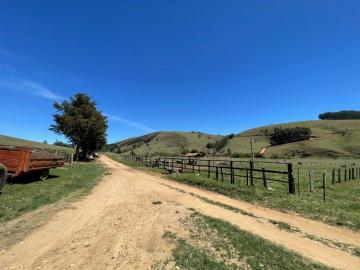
209,168
217,173
252,173
333,177
324,186
291,179
339,175
311,181
298,180
247,176
264,178
231,173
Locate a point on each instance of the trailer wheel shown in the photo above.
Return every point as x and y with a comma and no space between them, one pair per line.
3,175
43,175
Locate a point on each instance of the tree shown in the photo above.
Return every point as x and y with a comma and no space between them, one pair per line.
341,115
220,144
287,135
84,126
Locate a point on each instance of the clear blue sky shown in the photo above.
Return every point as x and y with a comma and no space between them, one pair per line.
213,66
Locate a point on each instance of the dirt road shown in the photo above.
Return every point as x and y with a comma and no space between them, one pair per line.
118,226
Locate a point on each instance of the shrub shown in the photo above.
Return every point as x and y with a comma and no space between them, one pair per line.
209,145
287,135
202,153
220,144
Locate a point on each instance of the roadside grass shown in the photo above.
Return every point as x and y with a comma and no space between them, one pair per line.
216,244
18,198
341,207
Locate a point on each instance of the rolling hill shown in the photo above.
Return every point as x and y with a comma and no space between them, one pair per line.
330,138
7,140
165,143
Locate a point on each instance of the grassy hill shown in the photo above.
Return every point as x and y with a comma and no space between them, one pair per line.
330,138
6,140
164,143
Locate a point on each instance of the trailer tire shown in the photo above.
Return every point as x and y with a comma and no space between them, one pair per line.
3,175
44,174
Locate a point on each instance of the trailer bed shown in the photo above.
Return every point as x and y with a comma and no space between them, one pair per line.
21,160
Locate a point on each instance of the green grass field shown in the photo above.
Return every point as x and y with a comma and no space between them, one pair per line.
6,140
341,207
72,180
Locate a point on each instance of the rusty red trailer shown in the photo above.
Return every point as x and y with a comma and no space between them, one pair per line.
17,161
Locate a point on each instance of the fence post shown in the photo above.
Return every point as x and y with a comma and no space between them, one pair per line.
252,173
324,185
217,173
339,175
231,172
222,175
247,176
345,174
291,179
298,179
264,178
333,177
311,181
209,168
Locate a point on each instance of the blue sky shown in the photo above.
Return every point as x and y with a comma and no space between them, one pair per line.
213,66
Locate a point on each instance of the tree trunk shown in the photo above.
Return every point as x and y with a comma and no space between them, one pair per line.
84,152
77,150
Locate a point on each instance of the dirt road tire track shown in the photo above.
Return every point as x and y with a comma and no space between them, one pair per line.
117,226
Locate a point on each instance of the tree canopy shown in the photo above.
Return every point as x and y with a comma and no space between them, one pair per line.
341,115
81,123
287,135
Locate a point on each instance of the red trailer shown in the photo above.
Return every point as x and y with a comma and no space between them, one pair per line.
17,161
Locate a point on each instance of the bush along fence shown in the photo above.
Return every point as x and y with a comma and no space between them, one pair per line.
249,173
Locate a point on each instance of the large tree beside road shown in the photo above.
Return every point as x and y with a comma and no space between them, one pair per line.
81,123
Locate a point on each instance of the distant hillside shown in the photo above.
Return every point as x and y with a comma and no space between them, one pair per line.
7,140
330,138
164,143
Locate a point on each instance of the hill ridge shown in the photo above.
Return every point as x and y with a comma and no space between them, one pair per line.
331,138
